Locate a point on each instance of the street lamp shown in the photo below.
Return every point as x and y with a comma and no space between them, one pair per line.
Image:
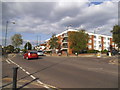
6,32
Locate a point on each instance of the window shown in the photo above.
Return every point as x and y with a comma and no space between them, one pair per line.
113,43
94,42
65,33
99,37
99,42
94,47
90,36
104,47
90,41
108,38
94,36
89,46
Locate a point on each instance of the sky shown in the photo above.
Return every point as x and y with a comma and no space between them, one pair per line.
42,19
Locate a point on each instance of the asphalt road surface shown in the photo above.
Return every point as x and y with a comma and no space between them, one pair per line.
72,72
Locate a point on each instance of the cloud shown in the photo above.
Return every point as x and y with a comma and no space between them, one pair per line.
54,17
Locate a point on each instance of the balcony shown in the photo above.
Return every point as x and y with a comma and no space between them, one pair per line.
64,46
65,35
64,41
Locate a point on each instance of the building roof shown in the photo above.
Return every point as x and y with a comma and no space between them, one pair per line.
77,30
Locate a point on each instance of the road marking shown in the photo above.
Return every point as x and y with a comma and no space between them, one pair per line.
7,61
33,77
27,73
39,82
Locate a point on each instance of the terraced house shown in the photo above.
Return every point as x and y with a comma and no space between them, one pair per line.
95,42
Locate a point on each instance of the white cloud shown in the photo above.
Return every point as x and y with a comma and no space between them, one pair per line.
47,17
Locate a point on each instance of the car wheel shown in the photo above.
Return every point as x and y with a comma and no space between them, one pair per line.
27,58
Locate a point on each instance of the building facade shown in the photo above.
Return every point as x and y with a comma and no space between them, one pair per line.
95,42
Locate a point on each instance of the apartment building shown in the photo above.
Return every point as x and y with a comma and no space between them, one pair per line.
95,42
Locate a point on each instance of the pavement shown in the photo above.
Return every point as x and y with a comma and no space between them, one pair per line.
110,59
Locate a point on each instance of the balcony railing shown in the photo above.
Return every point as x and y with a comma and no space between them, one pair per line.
65,35
63,48
64,41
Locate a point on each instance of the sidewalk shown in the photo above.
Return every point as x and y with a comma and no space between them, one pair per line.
80,55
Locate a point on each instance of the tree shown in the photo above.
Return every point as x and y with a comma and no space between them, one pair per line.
10,48
28,46
54,42
116,35
17,40
78,40
17,50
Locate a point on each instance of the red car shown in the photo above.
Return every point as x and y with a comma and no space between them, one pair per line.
30,55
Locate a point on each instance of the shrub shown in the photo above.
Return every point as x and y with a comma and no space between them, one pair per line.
104,51
92,51
48,52
24,50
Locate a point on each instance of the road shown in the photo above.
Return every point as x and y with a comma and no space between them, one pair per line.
71,72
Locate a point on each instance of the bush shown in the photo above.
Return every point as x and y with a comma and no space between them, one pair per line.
17,50
24,50
48,52
92,51
104,51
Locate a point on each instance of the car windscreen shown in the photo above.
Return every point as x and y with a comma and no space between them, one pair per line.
33,52
39,51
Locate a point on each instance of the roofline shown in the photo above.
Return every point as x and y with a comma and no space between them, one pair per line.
77,30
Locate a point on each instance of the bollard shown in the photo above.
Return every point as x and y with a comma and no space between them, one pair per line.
15,78
109,54
98,55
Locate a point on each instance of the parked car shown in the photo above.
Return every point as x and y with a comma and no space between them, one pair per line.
40,53
30,55
115,52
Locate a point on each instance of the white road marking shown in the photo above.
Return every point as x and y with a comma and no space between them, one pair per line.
23,70
33,77
28,73
7,61
46,86
39,82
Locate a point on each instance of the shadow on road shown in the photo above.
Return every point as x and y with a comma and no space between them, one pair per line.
33,74
36,58
44,68
27,84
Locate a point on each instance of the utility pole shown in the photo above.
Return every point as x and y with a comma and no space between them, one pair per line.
40,39
37,40
6,33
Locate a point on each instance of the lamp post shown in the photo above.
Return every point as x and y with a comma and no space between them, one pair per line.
6,32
